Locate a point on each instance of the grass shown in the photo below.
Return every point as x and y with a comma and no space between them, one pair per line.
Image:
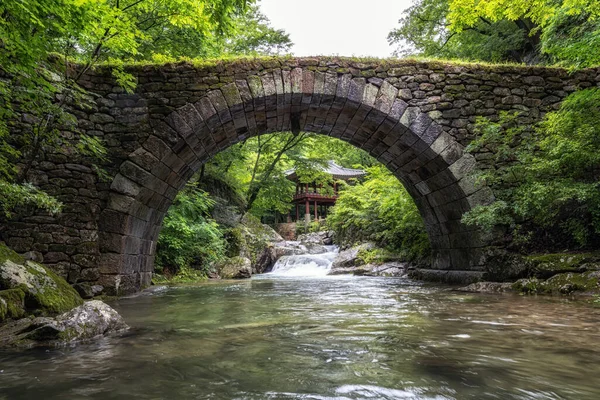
247,61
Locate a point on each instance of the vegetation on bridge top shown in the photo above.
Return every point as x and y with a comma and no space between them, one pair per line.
258,63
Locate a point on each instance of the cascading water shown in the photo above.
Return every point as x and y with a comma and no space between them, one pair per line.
305,264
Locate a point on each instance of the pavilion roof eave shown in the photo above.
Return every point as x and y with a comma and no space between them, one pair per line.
337,171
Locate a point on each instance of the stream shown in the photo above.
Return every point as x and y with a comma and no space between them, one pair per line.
296,333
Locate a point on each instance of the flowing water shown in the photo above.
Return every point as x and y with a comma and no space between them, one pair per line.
280,336
308,265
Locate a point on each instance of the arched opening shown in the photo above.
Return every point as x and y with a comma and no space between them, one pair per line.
366,113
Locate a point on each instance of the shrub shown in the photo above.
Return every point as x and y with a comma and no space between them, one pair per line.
546,182
189,237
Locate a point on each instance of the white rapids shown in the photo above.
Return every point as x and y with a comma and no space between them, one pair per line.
305,264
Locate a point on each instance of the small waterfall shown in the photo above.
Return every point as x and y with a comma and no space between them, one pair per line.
305,264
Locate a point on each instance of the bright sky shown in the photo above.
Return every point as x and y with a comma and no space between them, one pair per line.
336,27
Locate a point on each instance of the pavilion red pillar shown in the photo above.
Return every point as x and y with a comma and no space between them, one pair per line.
316,215
307,214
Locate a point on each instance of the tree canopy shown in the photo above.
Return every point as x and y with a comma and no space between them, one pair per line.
547,31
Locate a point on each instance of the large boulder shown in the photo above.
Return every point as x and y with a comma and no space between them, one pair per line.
85,322
235,268
26,286
250,238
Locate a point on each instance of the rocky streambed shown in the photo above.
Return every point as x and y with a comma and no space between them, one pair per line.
364,260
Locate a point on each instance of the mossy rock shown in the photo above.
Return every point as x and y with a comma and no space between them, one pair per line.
8,254
572,282
12,304
254,237
235,241
46,293
528,286
548,265
566,283
235,268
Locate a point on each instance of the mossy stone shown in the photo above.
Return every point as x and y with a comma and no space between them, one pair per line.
45,292
572,282
12,304
235,268
54,299
8,254
566,283
548,265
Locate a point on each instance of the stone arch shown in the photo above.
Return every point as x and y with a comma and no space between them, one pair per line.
367,113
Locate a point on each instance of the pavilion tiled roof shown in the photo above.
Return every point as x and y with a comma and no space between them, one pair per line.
337,171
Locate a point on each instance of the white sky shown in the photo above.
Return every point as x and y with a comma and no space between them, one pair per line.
336,27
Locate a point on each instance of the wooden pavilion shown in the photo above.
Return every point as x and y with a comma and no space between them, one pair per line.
314,200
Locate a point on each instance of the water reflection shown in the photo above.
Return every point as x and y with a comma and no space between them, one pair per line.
324,338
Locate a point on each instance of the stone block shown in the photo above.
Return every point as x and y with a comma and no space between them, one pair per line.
86,260
462,166
20,244
54,257
113,222
110,242
110,264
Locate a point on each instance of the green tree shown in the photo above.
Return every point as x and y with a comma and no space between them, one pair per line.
424,31
568,29
547,31
253,35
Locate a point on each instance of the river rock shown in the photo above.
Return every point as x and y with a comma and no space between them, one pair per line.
265,260
347,260
387,269
235,268
87,290
315,249
316,238
545,266
88,321
488,287
567,283
43,291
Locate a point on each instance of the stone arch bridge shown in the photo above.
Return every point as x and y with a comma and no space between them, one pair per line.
415,117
